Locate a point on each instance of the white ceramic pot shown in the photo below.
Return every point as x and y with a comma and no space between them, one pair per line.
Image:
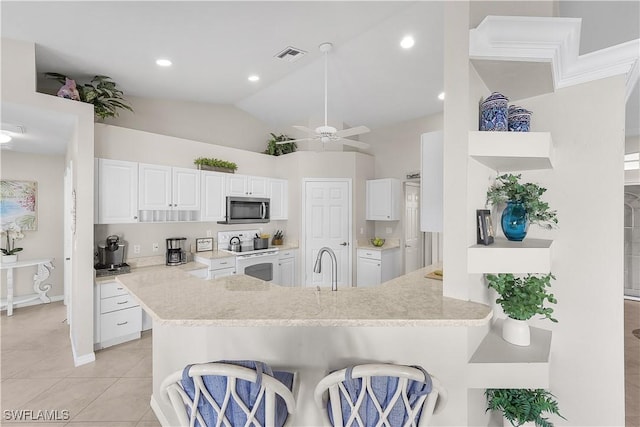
516,332
9,259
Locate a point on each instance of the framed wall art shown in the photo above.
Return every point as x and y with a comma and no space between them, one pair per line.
204,244
18,203
485,232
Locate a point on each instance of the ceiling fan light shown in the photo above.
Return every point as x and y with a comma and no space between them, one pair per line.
407,42
163,62
253,78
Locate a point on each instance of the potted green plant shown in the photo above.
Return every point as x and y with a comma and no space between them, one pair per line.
520,406
524,206
275,149
521,298
101,91
212,164
12,233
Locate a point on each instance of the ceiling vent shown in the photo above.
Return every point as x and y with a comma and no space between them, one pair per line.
290,54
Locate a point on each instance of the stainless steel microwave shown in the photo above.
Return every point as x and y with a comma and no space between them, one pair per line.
246,210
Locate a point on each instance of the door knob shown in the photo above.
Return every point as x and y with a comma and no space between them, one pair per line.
343,244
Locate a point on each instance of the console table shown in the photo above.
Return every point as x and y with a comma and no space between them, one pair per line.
44,269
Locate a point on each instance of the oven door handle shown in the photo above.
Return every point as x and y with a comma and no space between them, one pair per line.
263,210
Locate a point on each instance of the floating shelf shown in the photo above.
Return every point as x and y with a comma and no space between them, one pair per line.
499,364
505,256
512,151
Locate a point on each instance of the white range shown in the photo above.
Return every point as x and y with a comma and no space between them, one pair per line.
260,263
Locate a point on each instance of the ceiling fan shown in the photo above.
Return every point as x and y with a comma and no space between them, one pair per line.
328,133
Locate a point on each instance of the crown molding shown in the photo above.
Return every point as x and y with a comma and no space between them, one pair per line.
554,40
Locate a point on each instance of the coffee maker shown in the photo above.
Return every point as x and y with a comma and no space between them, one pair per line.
111,256
176,254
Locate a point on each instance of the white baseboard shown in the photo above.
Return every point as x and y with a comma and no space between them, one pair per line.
83,359
162,418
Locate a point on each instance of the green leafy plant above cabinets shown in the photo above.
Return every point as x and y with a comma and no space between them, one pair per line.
101,91
519,405
509,188
210,163
275,149
522,298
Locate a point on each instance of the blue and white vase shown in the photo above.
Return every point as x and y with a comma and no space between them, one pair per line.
515,221
519,119
494,113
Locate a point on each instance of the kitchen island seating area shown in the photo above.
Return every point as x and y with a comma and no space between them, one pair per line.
230,394
379,395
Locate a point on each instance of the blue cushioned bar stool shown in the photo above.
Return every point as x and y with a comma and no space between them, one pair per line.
230,394
379,395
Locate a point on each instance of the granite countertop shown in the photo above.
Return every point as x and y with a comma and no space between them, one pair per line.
172,296
213,254
388,244
190,266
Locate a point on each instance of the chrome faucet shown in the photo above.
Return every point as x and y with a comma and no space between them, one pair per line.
317,268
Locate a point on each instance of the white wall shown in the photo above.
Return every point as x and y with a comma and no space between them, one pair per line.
47,240
217,124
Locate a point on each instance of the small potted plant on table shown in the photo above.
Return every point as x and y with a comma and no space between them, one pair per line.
521,298
524,206
521,406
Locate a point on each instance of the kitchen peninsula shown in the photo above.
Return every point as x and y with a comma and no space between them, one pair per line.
310,331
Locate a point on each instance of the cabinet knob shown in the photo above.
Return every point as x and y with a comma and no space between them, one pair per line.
378,265
135,217
388,216
123,323
343,244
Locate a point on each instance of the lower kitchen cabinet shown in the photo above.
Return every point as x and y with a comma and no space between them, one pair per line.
217,267
377,266
287,268
118,316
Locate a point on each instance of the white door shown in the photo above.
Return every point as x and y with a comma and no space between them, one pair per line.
155,187
412,235
212,198
186,189
69,227
117,191
327,222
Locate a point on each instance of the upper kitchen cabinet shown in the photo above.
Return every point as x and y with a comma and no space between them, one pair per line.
212,196
247,186
116,191
168,188
384,197
279,195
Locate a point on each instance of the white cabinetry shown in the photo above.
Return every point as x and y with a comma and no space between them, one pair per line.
168,188
384,199
279,195
287,267
118,316
213,205
246,186
377,266
116,191
218,267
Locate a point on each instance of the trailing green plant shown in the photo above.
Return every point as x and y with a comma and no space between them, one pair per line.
205,161
275,149
101,91
508,188
519,405
522,298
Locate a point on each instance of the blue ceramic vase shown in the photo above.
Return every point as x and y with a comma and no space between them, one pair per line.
515,221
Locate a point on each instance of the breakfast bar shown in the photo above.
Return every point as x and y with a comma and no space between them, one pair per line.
306,330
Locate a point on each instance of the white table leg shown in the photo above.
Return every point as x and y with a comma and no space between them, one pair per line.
38,278
10,292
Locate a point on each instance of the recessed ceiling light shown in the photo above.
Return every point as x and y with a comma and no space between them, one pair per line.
4,138
441,96
254,78
163,62
407,42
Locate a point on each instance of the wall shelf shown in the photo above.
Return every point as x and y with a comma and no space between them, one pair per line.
505,256
512,151
499,364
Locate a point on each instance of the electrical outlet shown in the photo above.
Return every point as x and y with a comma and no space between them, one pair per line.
156,247
389,230
136,249
209,233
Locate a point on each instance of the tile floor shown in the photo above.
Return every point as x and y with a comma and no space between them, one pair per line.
37,373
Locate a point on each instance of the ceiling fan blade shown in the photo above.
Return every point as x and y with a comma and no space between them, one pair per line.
354,143
293,140
304,129
352,131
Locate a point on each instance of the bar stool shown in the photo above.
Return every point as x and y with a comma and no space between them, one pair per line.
381,395
230,394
